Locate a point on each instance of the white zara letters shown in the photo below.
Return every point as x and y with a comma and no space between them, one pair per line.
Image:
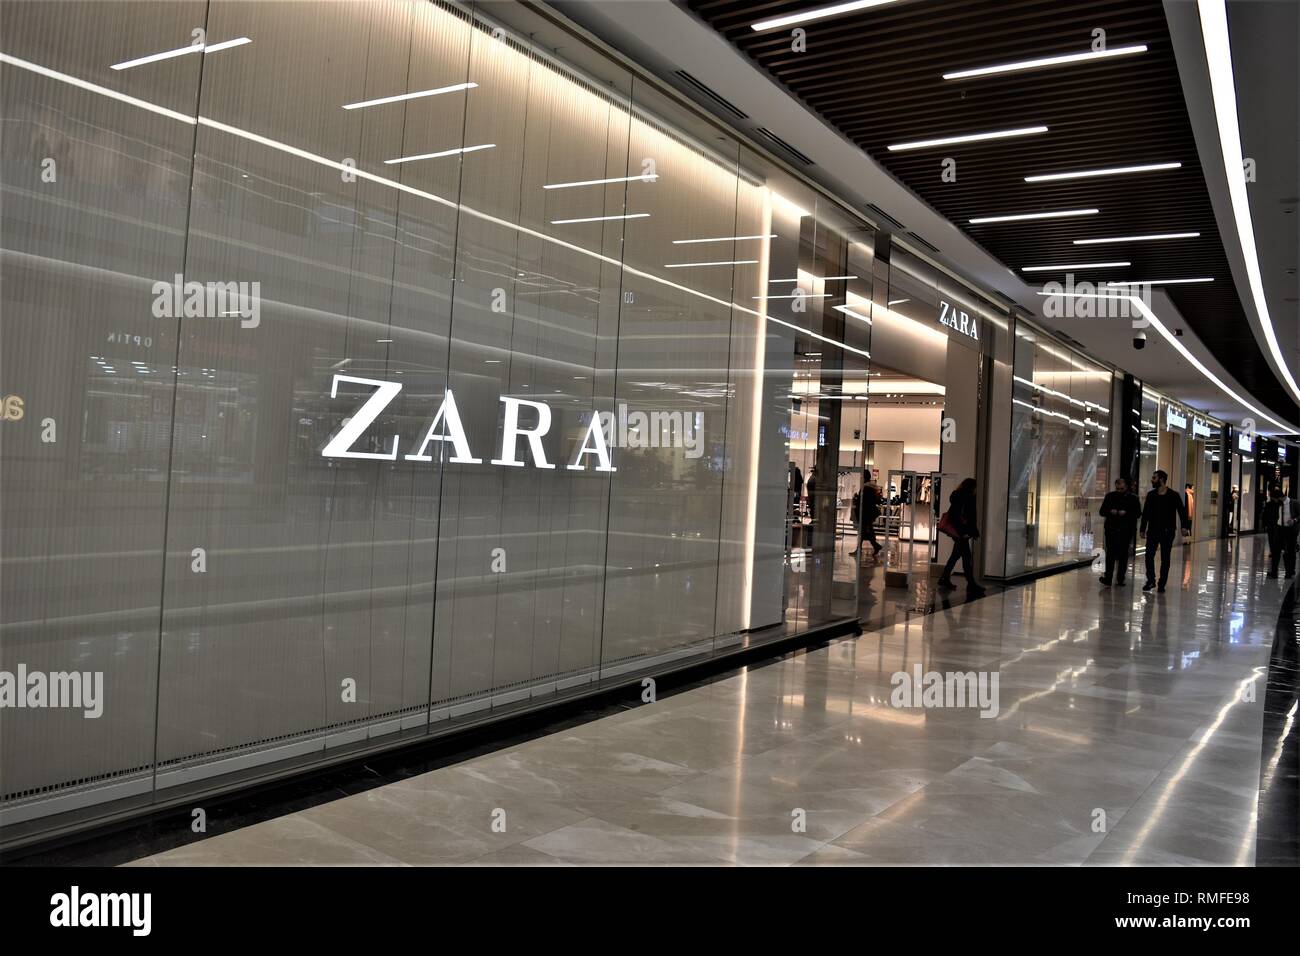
447,427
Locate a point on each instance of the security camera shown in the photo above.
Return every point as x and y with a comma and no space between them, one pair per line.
1139,340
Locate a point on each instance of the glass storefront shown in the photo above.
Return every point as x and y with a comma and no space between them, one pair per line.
1060,441
373,388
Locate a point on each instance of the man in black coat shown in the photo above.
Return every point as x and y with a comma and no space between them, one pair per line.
1282,521
1162,514
1120,508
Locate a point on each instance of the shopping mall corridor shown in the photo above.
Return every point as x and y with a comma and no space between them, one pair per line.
1128,729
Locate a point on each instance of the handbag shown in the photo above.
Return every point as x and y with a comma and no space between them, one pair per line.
948,526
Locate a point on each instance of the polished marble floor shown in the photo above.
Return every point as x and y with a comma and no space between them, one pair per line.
1128,731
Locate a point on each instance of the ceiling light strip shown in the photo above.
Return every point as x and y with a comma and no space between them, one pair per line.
1150,238
439,155
1023,216
1044,61
1109,171
1076,265
631,215
818,13
1218,55
967,138
687,242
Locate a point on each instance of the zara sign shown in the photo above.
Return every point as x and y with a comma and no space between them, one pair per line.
447,427
958,320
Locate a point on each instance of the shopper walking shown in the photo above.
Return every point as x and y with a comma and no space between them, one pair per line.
1120,508
868,512
1162,514
1282,522
960,524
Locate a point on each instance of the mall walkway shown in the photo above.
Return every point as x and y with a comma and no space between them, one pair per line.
1125,732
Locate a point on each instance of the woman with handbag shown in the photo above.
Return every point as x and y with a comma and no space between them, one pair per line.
959,523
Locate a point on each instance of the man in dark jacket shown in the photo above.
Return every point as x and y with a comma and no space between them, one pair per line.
868,511
1120,508
1281,521
1163,513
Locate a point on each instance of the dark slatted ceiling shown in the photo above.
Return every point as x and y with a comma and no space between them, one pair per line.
876,75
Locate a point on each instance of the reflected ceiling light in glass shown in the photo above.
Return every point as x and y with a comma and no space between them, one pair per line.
687,242
1160,282
967,138
647,178
1017,217
455,88
730,262
898,301
836,278
1076,265
850,312
797,295
818,13
439,155
182,51
1109,171
1153,236
630,215
1045,61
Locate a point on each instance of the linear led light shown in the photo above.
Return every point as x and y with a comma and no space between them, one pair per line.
631,215
1109,171
967,138
797,295
1218,55
445,152
817,13
1161,281
1076,265
898,301
1017,217
191,48
1043,61
1157,235
647,178
410,96
690,265
687,242
835,278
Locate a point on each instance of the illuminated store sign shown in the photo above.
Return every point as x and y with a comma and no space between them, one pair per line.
447,427
958,320
1245,442
1200,427
1175,419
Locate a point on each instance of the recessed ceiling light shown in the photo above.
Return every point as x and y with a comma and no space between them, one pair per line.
687,242
1160,281
688,265
1044,61
647,178
1017,217
818,13
1155,235
797,295
1109,171
445,152
967,138
898,301
1076,265
191,48
631,215
410,96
